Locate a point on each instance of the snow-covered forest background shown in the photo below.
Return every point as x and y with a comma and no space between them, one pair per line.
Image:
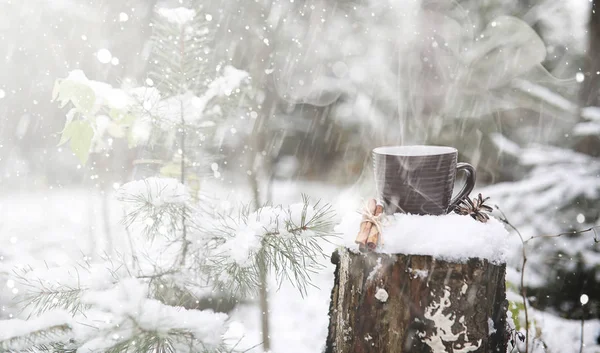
154,154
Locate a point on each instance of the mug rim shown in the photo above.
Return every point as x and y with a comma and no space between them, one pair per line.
414,150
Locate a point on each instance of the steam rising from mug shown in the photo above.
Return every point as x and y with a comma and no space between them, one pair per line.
393,61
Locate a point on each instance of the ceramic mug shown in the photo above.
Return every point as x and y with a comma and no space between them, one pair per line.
419,179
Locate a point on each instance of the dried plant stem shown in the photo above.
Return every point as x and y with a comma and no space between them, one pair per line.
264,306
184,246
522,284
581,336
574,232
524,263
263,291
134,258
524,297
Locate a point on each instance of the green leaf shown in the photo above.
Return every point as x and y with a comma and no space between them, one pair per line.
81,95
84,99
81,134
512,287
515,308
66,133
172,170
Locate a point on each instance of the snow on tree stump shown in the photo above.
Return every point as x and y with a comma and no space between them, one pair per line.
448,300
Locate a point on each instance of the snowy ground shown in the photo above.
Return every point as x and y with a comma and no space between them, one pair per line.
61,226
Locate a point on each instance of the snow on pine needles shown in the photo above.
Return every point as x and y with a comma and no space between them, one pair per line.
155,204
287,239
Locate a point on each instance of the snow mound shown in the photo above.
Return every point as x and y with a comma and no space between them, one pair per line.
179,16
449,237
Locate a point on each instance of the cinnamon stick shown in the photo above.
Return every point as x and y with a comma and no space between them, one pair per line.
365,226
374,233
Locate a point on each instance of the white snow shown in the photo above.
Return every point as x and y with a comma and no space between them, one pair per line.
416,273
381,295
146,97
157,191
591,113
244,244
17,327
564,335
129,300
556,333
179,15
247,234
577,12
545,95
104,93
587,128
104,55
224,85
491,327
450,237
192,108
171,110
376,269
504,144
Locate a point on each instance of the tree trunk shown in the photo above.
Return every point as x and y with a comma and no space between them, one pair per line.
408,303
589,94
590,89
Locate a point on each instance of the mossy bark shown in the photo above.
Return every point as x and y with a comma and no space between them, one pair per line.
408,303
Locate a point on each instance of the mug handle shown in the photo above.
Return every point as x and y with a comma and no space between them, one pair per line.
467,188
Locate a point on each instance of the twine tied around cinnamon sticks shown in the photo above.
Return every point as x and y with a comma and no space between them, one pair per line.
370,226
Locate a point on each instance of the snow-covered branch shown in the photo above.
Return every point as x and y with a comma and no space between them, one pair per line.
287,238
16,335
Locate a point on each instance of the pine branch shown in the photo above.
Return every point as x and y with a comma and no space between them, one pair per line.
155,219
42,336
51,328
180,54
40,297
289,244
49,348
143,340
46,299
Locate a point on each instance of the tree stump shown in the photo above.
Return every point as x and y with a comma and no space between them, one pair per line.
407,303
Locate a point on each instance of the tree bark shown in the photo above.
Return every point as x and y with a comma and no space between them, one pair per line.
589,94
590,90
408,303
